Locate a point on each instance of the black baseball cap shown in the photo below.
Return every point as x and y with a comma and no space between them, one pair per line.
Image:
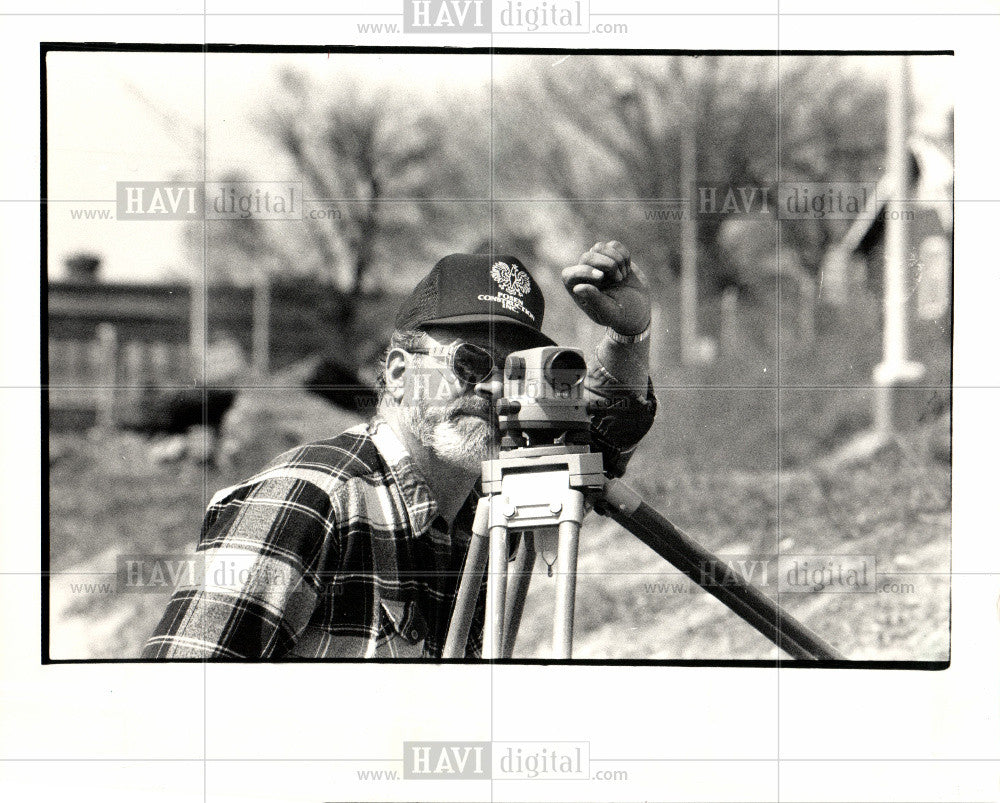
478,289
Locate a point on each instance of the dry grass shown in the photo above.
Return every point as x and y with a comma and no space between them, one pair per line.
109,498
896,507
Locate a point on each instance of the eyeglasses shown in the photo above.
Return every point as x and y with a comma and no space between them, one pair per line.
469,363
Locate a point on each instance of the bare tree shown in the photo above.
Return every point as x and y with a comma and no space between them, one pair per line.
603,128
396,168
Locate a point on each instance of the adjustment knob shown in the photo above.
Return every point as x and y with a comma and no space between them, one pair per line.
515,367
508,407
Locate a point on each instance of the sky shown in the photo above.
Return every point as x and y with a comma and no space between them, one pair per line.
139,116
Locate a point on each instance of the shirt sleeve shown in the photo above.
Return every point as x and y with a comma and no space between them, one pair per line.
621,418
257,570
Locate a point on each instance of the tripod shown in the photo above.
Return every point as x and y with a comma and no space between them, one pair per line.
535,490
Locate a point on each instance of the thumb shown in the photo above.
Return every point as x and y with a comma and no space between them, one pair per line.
592,301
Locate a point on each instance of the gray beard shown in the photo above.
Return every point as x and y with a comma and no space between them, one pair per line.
462,441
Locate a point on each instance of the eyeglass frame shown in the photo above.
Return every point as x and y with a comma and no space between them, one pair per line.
449,352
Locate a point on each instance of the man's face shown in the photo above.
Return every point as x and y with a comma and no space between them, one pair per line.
454,420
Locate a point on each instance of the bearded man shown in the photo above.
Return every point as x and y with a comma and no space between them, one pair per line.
352,547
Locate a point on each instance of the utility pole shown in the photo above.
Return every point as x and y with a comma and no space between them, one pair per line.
260,356
689,231
197,333
896,369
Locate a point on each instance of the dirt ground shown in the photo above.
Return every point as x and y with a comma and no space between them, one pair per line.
109,498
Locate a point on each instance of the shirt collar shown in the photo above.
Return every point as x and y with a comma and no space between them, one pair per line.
421,506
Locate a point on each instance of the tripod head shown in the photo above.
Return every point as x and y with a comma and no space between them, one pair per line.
542,401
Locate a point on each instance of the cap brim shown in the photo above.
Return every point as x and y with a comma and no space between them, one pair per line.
532,337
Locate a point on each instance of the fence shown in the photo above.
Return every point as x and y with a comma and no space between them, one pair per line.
110,344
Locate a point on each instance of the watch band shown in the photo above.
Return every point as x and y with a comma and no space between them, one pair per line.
628,340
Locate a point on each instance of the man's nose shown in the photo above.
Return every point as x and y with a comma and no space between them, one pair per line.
492,386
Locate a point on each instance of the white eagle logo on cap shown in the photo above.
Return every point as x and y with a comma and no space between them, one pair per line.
511,279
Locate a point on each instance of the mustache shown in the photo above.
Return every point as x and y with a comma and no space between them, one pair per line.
474,406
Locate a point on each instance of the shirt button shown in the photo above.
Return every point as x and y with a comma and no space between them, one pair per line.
414,634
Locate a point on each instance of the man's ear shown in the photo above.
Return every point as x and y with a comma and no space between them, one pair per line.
395,371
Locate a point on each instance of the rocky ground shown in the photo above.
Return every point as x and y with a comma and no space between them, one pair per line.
123,493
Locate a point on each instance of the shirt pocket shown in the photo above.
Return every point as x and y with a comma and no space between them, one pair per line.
404,620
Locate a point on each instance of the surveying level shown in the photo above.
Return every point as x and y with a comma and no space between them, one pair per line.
540,487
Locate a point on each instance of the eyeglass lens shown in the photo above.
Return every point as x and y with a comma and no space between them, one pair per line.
472,364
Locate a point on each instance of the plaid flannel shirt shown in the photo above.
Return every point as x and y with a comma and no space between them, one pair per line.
336,551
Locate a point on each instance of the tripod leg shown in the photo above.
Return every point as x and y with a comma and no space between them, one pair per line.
624,505
517,590
569,547
496,587
468,589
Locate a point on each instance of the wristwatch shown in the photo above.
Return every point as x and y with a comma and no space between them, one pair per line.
628,340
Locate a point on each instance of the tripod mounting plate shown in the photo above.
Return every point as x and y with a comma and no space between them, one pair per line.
585,468
541,487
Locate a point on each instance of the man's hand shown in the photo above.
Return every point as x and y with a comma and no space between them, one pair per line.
607,287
